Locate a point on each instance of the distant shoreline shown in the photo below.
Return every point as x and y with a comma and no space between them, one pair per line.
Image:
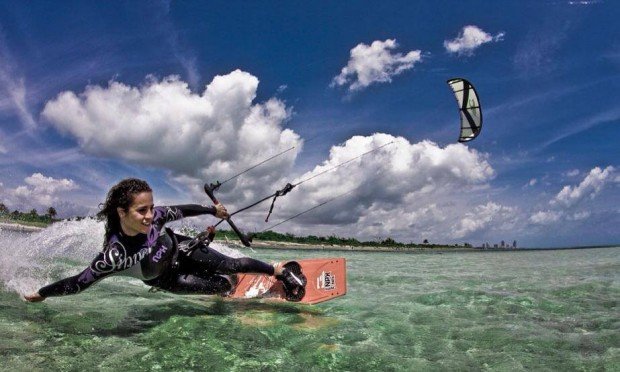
265,244
19,227
268,244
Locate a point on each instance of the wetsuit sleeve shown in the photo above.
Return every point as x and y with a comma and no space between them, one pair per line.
77,283
187,210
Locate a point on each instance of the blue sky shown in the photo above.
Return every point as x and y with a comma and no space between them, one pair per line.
180,93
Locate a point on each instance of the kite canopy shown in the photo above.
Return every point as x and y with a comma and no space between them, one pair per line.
469,107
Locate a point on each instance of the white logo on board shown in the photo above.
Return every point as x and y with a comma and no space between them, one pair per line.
326,281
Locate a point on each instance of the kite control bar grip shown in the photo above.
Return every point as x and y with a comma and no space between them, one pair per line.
209,189
210,233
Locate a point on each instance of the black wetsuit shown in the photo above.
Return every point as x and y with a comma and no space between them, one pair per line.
155,259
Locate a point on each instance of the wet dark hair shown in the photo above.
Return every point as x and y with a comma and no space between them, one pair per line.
120,195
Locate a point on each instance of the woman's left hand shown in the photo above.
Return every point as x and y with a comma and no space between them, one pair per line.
221,212
33,297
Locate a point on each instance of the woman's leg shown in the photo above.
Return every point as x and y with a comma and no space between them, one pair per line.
200,284
193,283
205,258
214,261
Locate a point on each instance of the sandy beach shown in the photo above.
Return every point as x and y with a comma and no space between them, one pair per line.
19,227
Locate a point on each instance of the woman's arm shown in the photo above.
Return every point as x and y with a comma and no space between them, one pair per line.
176,212
73,284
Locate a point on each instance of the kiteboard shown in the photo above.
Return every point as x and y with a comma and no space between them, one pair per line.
325,279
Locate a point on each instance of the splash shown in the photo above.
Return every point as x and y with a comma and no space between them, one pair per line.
29,261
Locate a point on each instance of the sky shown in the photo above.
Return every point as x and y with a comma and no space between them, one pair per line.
184,93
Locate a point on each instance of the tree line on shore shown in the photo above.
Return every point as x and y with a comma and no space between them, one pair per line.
32,218
335,240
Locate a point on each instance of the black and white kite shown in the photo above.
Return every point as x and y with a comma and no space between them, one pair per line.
469,108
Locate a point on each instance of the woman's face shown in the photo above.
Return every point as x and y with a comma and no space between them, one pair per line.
139,216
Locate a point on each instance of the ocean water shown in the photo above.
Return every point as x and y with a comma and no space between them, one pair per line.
499,311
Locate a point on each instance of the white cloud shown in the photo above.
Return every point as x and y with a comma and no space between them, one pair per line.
589,187
469,39
532,182
585,2
565,203
578,216
39,192
402,190
375,63
398,169
545,217
198,137
572,173
49,185
482,217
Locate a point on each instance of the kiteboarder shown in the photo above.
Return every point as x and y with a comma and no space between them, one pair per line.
137,244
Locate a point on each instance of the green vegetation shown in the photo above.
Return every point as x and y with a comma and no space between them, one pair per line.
334,240
32,218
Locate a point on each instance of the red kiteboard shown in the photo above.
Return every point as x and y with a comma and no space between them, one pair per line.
326,279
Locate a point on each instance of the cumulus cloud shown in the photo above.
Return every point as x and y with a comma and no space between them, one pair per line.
572,173
591,185
39,191
197,137
577,216
469,39
566,203
545,217
402,189
482,217
375,63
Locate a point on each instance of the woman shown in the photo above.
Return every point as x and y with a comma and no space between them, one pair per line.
138,244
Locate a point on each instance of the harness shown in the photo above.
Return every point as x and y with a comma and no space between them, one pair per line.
186,247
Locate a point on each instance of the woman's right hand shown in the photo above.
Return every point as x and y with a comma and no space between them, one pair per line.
33,297
221,212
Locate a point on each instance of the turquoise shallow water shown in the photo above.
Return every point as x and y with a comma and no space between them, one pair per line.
505,311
